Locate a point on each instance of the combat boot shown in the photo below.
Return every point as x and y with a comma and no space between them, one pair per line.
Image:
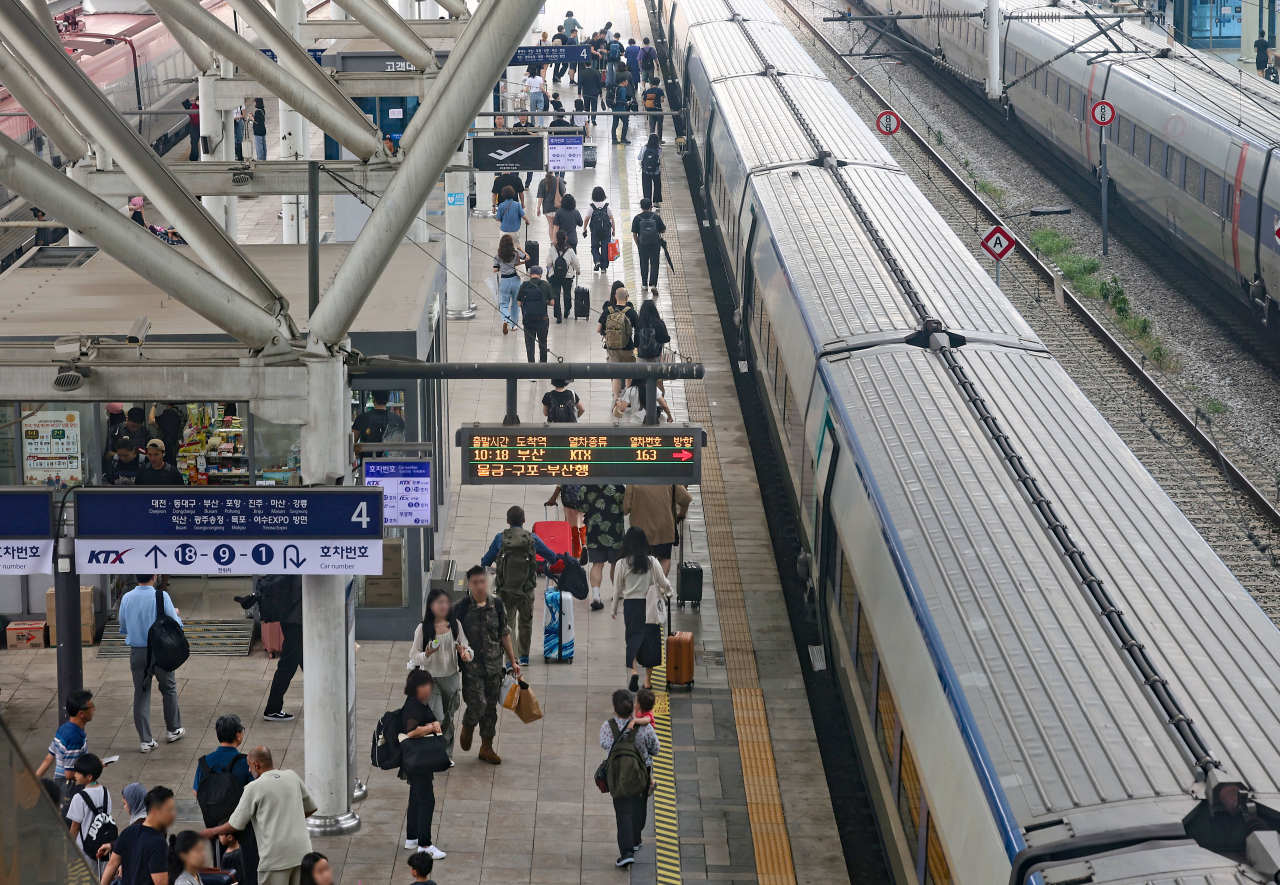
487,754
464,738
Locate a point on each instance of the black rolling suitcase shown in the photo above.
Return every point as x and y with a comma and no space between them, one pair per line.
532,249
688,577
589,156
582,303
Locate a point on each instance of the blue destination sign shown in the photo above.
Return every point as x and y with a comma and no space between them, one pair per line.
26,513
158,512
547,55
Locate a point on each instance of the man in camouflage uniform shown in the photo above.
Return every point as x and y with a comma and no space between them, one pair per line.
602,514
484,620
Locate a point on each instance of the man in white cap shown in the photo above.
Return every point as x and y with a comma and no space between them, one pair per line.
157,471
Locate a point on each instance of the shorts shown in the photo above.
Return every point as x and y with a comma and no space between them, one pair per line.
620,356
660,551
606,554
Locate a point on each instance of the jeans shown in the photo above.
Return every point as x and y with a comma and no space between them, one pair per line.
289,662
239,127
600,252
626,124
260,147
655,124
537,102
559,71
649,261
142,695
445,701
651,187
630,813
536,329
422,807
590,104
508,287
563,289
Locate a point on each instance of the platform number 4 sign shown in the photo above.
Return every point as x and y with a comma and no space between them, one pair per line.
361,515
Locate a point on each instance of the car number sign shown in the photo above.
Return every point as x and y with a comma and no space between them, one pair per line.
1103,113
998,242
26,531
888,122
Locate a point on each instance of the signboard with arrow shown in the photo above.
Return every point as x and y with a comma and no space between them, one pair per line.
582,454
213,531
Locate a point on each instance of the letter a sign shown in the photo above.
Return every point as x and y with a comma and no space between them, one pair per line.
997,242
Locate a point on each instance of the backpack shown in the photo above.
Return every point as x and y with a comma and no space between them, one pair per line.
573,580
385,752
274,601
167,645
648,55
650,160
102,829
617,329
621,96
615,50
625,771
517,560
647,345
562,409
534,303
610,95
599,224
219,792
559,267
651,100
648,229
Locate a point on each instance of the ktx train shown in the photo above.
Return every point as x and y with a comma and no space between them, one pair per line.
1042,661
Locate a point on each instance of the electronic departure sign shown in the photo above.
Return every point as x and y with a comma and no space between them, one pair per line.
582,454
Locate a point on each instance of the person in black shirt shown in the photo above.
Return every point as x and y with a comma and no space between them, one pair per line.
259,129
419,721
533,297
647,229
122,469
46,236
157,471
378,424
589,89
511,180
170,423
141,854
1262,47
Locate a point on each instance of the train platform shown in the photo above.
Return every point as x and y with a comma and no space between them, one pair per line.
742,796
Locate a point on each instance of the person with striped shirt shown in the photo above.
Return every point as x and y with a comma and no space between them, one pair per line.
70,741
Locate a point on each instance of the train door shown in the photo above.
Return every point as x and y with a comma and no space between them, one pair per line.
748,278
827,540
1267,246
1241,259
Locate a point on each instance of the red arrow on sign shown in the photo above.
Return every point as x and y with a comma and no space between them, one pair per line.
997,242
683,455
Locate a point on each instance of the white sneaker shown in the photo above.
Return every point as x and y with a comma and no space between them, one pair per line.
149,746
436,853
172,736
411,844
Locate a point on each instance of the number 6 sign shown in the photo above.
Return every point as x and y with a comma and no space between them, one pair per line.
888,122
1103,113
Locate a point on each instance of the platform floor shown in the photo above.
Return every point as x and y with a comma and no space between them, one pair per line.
747,801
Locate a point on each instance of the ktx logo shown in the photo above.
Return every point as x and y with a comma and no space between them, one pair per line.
107,557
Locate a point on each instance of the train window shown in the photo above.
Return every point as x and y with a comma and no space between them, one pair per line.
1072,94
866,655
1156,160
937,871
909,798
1124,134
1051,88
1228,192
1193,182
1140,142
1213,191
1038,79
886,721
1173,167
982,44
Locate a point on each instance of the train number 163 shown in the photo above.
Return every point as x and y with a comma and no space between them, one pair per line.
646,454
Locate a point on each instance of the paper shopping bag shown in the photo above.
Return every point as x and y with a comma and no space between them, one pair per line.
510,691
527,707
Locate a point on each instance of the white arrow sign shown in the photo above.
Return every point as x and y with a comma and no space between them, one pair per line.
218,556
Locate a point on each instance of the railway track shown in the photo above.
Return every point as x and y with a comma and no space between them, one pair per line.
1204,474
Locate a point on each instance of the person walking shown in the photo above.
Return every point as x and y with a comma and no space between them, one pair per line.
567,220
532,297
141,854
564,272
602,227
550,191
651,335
70,741
574,40
259,130
632,55
484,620
276,804
86,807
288,590
616,323
571,23
535,86
137,612
193,127
641,586
418,721
229,770
648,59
560,405
657,510
237,122
509,212
515,550
505,263
440,646
633,402
647,229
630,806
1263,52
589,87
602,514
622,98
652,100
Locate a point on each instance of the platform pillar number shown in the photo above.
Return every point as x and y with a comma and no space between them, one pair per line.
997,242
888,123
1103,114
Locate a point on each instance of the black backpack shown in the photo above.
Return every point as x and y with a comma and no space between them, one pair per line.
647,345
166,643
561,410
651,161
559,267
275,601
102,830
219,792
386,741
647,223
600,226
534,303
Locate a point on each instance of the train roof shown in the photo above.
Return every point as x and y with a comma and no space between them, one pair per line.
735,56
1068,725
699,12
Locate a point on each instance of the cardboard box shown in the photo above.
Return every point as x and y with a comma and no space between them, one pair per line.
383,592
26,634
393,558
86,634
86,615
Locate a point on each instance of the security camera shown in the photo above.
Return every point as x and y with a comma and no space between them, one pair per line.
138,334
76,347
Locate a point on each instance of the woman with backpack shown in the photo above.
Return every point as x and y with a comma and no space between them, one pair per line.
439,647
564,272
601,225
550,192
627,772
419,721
651,169
651,335
510,213
504,265
634,402
642,588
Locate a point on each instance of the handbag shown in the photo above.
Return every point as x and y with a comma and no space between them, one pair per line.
602,775
527,707
424,755
614,249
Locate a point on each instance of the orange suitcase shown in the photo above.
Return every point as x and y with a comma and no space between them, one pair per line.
679,657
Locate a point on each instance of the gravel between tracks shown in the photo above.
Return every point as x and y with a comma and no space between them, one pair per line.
1215,365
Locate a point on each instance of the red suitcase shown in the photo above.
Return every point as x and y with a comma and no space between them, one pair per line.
557,535
272,638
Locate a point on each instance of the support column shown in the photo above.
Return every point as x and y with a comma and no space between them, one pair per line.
994,87
211,128
66,599
289,15
325,643
428,9
457,242
79,173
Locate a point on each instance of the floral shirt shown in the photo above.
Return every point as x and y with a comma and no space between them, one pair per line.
602,510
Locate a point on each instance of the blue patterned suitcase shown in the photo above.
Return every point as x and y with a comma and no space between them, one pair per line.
557,626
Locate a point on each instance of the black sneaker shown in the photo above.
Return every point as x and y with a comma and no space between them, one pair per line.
597,605
639,845
624,862
634,685
281,716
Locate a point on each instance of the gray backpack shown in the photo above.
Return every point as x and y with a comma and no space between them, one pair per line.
517,561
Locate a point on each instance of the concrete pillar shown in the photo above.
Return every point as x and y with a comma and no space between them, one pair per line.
289,14
457,242
428,9
219,127
326,647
